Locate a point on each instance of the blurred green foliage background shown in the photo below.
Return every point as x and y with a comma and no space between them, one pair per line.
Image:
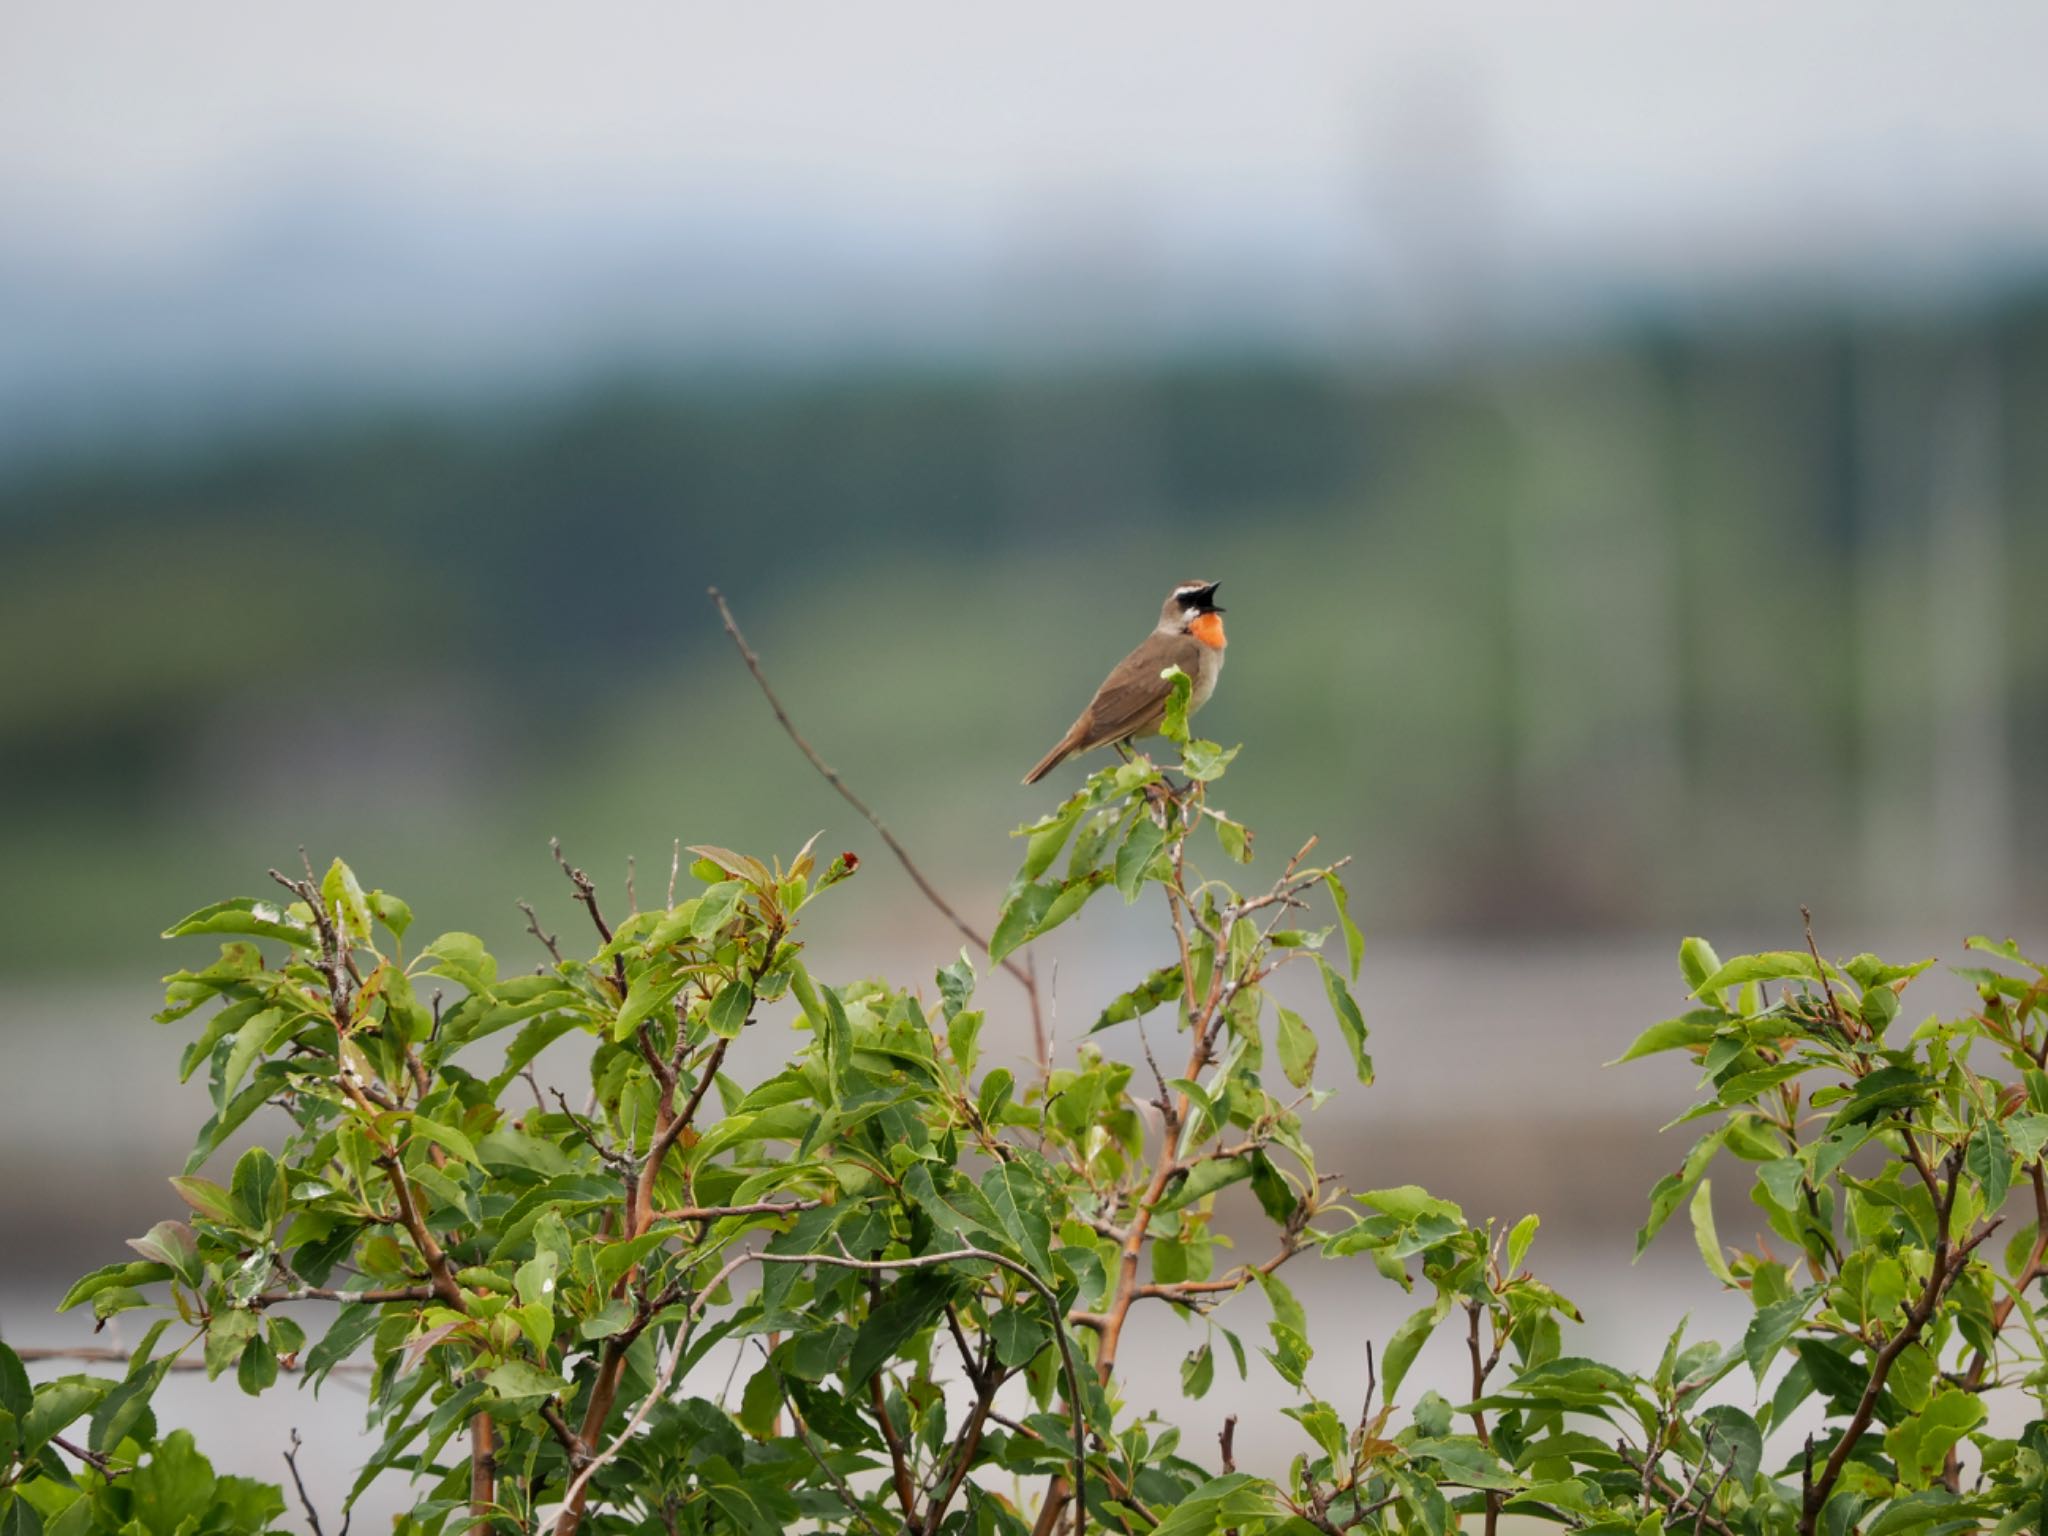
1651,628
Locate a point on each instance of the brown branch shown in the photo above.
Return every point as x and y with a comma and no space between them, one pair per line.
611,1155
533,927
328,1293
483,1471
1672,1493
846,1494
986,1385
291,1460
1238,1278
97,1460
1947,1266
719,1212
1226,1442
899,1458
1481,1368
639,1217
1821,969
2037,1261
1023,976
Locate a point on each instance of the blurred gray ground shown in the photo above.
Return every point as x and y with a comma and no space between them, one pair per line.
1490,1092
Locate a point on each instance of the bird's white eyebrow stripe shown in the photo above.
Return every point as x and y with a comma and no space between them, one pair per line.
1193,586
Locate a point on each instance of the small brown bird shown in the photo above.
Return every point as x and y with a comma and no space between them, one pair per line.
1132,700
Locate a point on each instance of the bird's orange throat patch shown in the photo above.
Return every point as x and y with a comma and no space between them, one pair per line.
1208,628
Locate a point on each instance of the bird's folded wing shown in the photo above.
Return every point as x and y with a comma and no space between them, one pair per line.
1131,701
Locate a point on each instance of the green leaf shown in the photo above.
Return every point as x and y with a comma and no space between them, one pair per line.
256,1371
346,904
462,958
171,1492
1019,916
56,1405
1409,1202
1777,965
1350,1022
1704,1234
174,1245
761,1402
652,989
259,1186
1019,1203
519,1380
1205,1178
1696,962
729,1009
1920,1445
1518,1242
1020,1332
1354,941
1161,986
905,1310
1464,1460
716,908
1230,1502
1321,1422
1695,1028
114,1277
1670,1190
956,986
1989,1160
447,1138
1048,835
212,1201
1174,725
1297,1045
1135,857
1204,761
16,1395
963,1037
1405,1344
354,1323
260,919
253,1039
1772,1326
391,912
1233,836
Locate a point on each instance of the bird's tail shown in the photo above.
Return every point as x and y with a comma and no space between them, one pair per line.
1055,757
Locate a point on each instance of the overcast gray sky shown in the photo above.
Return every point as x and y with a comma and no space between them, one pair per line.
307,173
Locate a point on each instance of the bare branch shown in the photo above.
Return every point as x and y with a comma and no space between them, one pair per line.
1023,976
533,927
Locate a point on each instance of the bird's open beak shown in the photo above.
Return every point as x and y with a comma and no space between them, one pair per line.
1210,599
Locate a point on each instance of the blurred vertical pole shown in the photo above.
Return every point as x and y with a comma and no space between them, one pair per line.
1971,872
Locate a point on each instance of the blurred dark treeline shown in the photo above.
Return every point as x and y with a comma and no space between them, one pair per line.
1655,628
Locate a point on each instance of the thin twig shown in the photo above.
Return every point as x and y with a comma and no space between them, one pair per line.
533,927
1023,976
803,1432
291,1460
1821,970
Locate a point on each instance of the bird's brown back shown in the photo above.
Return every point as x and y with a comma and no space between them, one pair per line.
1132,699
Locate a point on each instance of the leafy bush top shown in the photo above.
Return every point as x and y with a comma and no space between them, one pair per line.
927,1266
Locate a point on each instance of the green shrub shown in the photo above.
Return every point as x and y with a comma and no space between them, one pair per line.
928,1265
